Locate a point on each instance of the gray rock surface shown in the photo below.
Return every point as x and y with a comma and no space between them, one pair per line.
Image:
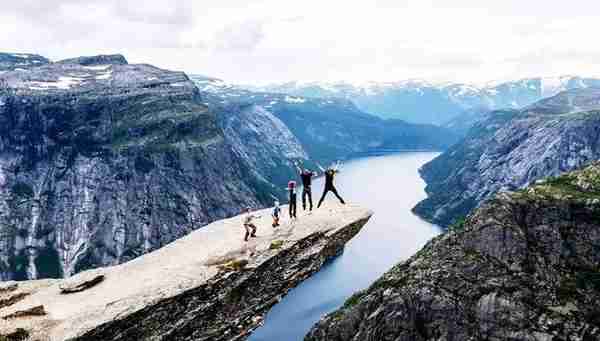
265,143
510,150
114,59
525,266
20,61
208,285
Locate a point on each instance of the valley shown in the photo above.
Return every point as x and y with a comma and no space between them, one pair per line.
106,164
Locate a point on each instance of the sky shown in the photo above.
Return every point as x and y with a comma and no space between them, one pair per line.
244,41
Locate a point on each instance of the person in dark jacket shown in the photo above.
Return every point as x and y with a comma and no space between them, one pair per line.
329,186
292,206
306,176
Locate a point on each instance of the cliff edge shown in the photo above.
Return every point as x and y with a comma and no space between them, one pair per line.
525,266
209,285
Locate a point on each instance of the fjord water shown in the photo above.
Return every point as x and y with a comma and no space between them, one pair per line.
390,185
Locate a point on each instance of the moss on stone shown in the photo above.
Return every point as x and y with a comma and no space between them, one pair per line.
354,299
234,265
276,244
581,185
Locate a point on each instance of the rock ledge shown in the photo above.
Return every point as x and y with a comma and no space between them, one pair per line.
209,285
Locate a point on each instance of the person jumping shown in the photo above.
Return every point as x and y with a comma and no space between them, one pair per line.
292,189
248,224
329,186
306,175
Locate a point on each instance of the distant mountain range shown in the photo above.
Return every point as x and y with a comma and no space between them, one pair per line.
328,128
510,149
419,101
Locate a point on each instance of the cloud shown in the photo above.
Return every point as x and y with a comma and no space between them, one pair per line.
279,40
95,23
244,36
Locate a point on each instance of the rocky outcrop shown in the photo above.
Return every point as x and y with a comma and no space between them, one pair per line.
209,285
102,161
525,266
20,61
105,59
510,150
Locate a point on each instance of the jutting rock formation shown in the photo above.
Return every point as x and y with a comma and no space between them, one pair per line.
525,266
209,285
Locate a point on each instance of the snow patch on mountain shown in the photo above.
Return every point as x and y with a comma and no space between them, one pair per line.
63,82
292,99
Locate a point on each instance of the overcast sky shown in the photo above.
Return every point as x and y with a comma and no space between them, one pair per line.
279,40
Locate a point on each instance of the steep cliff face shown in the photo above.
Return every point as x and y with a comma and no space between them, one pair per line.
102,161
511,149
525,266
209,285
265,143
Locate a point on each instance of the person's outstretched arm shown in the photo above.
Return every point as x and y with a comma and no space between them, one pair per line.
297,167
321,167
337,166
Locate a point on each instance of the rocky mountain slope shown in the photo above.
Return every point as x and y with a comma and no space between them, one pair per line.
329,128
209,285
20,61
511,149
525,266
420,101
102,161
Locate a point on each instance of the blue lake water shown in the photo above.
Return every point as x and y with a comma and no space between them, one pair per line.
390,185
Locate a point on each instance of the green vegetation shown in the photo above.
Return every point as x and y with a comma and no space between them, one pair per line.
458,225
583,184
276,244
354,299
234,265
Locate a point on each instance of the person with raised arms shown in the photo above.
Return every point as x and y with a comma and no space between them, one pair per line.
329,186
306,176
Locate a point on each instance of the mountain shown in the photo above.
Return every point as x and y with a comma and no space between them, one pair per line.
419,101
525,266
206,286
20,61
510,149
102,161
327,128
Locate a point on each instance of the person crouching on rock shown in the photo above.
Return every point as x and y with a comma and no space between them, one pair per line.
248,219
275,214
292,189
329,187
